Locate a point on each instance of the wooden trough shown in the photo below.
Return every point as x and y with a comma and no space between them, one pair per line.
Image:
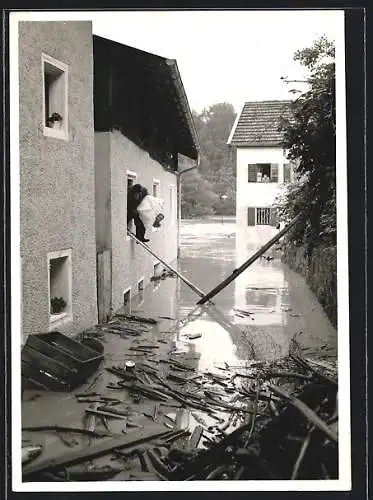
53,361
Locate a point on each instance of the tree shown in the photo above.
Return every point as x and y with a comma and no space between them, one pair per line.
309,137
217,166
197,196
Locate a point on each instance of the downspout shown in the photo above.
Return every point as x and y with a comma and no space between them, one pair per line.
179,174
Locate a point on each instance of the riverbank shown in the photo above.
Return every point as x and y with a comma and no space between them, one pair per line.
320,272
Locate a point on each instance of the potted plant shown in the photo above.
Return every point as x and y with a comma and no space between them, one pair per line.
54,121
58,304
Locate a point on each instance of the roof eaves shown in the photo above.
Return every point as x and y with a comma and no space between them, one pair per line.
184,101
229,142
264,144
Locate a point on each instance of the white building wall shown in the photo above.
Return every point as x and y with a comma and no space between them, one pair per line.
131,262
256,194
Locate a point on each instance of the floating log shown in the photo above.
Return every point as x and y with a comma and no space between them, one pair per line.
138,319
195,438
96,450
101,413
62,428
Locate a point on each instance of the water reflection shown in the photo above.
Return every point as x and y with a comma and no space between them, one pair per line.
257,315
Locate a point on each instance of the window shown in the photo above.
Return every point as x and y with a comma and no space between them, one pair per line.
263,172
140,291
55,97
156,184
287,172
263,216
127,301
131,180
172,205
156,193
60,288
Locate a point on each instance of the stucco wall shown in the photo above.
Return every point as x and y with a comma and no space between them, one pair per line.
103,190
130,262
57,176
256,194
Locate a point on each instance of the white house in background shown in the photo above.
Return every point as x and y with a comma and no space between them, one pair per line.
262,167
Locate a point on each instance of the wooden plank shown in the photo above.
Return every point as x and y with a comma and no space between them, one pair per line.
101,413
195,438
96,450
31,376
52,351
182,418
183,278
248,262
45,363
76,349
307,412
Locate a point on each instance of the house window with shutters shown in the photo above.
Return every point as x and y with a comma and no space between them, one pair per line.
262,216
263,172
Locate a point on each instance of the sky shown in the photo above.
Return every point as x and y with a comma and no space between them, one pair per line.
232,56
222,56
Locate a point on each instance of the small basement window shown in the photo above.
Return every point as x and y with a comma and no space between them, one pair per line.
55,97
60,288
127,301
140,290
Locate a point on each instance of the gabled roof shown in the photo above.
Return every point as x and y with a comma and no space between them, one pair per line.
258,124
142,95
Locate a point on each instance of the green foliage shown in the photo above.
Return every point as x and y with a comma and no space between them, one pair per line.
197,196
202,192
310,141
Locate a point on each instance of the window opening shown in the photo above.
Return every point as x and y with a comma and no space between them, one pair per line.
127,301
263,216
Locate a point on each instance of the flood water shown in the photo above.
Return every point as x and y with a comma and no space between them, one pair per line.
255,318
258,315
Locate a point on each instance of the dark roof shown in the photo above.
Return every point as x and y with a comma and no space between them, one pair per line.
142,95
258,124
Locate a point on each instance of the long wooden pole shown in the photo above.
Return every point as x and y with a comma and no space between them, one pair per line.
185,280
248,263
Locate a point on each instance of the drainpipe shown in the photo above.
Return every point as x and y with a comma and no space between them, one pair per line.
179,174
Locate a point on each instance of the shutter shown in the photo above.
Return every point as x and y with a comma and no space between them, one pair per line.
287,172
251,216
273,219
252,172
274,172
